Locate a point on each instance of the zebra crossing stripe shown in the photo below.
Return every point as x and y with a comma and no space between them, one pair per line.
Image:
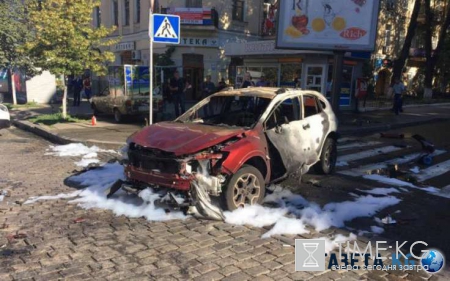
357,172
357,145
434,171
367,153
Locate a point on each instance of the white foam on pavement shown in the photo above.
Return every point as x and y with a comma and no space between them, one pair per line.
89,154
34,199
376,229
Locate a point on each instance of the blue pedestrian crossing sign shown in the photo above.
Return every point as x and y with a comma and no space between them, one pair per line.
166,29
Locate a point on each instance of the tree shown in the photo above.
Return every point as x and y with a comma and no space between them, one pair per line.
432,59
14,33
65,42
399,63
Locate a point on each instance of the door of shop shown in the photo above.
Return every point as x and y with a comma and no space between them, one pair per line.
315,75
193,72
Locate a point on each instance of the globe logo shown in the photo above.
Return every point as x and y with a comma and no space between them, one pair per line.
433,261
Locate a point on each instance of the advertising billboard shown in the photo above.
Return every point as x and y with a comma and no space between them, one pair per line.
327,24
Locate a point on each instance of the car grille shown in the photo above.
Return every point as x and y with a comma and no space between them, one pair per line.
148,159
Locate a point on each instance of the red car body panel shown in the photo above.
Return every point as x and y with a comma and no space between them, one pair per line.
183,138
168,180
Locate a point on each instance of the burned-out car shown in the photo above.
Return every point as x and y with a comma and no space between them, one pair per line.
233,144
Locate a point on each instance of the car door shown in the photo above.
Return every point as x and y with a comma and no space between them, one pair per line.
317,123
289,134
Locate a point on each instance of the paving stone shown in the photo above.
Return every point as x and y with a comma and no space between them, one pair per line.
204,268
240,276
228,270
210,276
257,271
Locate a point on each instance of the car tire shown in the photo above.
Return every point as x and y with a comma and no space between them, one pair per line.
246,187
328,158
117,116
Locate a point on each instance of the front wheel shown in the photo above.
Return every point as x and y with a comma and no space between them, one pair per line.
246,187
328,158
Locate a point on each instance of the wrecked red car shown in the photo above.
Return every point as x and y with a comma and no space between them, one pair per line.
233,144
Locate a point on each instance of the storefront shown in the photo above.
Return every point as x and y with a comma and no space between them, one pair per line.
303,69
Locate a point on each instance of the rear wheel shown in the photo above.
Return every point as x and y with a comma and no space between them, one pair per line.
328,158
246,187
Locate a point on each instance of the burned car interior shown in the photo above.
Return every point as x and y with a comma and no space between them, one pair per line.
240,111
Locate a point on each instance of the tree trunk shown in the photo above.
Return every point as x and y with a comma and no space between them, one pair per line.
64,100
428,81
13,87
399,63
432,60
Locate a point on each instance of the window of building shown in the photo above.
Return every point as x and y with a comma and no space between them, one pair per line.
194,3
98,19
126,12
238,10
115,7
137,11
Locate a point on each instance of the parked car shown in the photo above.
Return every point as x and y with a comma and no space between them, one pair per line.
232,145
115,103
4,117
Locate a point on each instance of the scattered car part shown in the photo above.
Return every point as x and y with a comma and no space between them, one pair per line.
114,188
202,204
427,146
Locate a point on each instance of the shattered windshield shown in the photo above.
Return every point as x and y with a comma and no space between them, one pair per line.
230,111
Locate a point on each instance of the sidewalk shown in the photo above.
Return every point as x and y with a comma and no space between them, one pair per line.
108,134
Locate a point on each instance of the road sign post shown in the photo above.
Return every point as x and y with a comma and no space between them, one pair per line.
162,29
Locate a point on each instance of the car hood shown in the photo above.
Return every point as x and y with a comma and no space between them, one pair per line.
183,138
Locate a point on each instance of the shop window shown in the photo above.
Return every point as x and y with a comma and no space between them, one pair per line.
238,10
311,106
137,11
193,3
126,12
115,12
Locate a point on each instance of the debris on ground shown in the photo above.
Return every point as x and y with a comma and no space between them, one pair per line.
79,220
427,146
388,220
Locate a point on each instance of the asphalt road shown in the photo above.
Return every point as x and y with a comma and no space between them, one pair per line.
105,247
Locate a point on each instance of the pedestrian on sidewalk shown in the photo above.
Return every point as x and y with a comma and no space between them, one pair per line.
262,82
77,87
177,90
208,88
87,87
247,81
398,89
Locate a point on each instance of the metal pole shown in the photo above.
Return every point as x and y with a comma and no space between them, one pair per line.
150,31
337,80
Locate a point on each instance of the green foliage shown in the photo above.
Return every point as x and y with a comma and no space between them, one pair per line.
65,42
51,119
30,104
14,33
165,59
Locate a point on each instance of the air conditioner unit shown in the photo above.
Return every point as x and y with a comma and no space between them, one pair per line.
136,55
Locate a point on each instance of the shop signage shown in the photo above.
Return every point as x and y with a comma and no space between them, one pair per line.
199,41
327,25
124,46
193,16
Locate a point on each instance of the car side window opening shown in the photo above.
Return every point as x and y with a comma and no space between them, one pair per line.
284,113
310,106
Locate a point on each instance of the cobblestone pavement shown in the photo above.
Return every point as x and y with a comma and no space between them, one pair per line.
104,247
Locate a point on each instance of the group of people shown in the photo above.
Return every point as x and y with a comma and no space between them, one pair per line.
81,84
178,88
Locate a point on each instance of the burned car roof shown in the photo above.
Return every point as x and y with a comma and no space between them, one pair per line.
264,92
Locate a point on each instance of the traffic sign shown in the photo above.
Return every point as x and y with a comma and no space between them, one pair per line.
166,29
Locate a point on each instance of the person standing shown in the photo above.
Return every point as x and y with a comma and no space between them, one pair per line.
247,81
262,82
177,90
208,88
77,87
87,87
398,89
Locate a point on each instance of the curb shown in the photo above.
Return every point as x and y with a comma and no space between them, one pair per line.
57,139
387,127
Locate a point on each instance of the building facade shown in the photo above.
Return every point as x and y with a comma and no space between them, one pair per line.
206,26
